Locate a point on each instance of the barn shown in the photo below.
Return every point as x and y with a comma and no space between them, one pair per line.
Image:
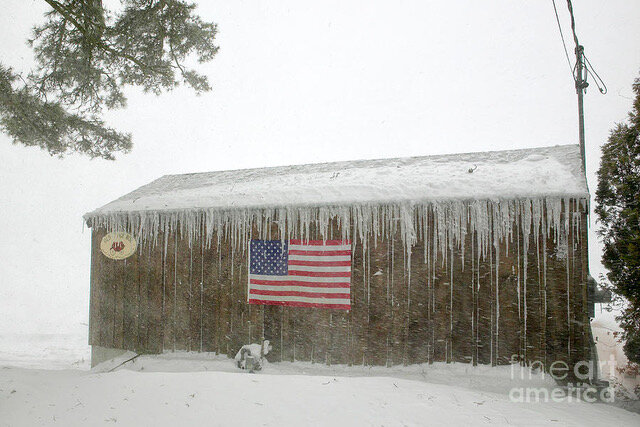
478,258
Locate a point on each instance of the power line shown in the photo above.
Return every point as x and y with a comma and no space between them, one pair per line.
602,87
564,45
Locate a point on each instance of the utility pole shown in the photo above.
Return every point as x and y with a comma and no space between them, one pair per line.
581,85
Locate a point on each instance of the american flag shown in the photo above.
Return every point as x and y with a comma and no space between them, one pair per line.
309,273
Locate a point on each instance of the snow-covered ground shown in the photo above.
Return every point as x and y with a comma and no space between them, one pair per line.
45,351
199,389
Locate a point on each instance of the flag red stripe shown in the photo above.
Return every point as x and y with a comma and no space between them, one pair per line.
318,253
301,304
321,263
299,294
300,283
320,273
319,242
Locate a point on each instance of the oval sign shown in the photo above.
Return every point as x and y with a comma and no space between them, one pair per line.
118,245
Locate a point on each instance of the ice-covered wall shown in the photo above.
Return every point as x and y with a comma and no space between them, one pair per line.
478,281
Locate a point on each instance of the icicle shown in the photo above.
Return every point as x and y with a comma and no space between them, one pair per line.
518,288
368,274
497,247
443,225
492,316
450,340
474,358
568,258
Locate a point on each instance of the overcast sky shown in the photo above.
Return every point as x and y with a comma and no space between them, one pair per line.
300,82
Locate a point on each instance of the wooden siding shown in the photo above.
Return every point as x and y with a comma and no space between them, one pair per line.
474,309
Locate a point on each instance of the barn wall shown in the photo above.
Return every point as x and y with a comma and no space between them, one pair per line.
448,307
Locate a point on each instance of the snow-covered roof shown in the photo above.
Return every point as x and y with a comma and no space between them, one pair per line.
495,175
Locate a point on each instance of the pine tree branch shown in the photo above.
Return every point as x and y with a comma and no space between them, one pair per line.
62,10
